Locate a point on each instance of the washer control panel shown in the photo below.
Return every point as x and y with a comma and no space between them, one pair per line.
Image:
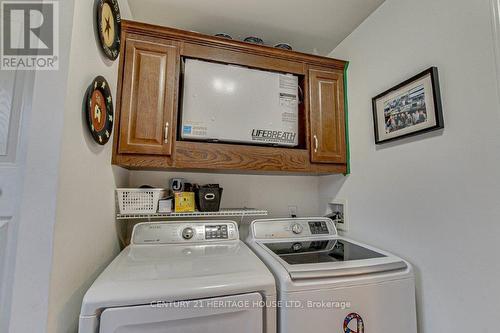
318,227
292,228
216,231
184,232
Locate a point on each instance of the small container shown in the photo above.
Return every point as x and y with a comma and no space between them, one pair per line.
208,198
184,202
165,205
177,184
139,200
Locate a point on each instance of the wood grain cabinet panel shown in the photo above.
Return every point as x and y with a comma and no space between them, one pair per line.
328,142
148,111
148,96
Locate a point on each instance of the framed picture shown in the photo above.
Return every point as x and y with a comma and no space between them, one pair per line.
410,108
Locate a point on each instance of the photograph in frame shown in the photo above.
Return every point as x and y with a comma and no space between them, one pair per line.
410,108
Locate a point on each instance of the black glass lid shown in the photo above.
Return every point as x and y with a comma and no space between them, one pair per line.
313,252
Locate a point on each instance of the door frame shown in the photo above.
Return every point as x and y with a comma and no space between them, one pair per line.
495,13
13,165
39,153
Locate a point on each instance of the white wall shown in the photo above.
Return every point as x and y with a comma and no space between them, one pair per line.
433,199
85,237
272,192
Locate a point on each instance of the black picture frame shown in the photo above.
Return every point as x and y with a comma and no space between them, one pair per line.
410,109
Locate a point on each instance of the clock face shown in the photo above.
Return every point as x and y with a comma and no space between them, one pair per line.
99,110
109,27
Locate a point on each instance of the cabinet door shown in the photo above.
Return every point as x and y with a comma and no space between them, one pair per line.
326,93
148,94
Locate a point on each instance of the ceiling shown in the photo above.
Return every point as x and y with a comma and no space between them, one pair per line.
314,26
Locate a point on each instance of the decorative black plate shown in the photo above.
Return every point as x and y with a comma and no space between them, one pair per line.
109,27
99,110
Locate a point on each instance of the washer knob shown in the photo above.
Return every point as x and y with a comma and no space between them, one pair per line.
296,247
187,233
296,228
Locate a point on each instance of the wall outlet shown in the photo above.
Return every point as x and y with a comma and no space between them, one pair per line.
339,214
292,211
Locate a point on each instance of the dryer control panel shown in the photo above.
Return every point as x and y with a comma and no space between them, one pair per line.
293,228
184,232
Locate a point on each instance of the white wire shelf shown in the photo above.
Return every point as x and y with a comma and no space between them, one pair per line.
224,212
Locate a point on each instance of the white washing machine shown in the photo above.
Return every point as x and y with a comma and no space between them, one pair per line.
330,284
189,277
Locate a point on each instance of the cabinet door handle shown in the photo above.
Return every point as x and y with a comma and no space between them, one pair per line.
166,132
315,143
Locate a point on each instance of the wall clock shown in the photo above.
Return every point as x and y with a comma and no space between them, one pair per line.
99,110
109,27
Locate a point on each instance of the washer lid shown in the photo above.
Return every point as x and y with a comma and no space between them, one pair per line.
319,251
142,274
333,257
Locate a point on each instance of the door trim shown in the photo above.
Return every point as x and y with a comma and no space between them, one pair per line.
495,15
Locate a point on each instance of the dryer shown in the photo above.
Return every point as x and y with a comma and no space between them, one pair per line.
188,277
327,283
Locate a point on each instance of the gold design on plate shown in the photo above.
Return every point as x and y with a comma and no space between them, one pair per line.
107,25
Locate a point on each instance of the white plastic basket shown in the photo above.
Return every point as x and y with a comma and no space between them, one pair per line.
139,200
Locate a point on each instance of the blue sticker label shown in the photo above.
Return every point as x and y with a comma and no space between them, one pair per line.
187,129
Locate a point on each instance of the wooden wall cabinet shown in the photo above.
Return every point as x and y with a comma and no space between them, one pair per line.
149,90
147,107
326,91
